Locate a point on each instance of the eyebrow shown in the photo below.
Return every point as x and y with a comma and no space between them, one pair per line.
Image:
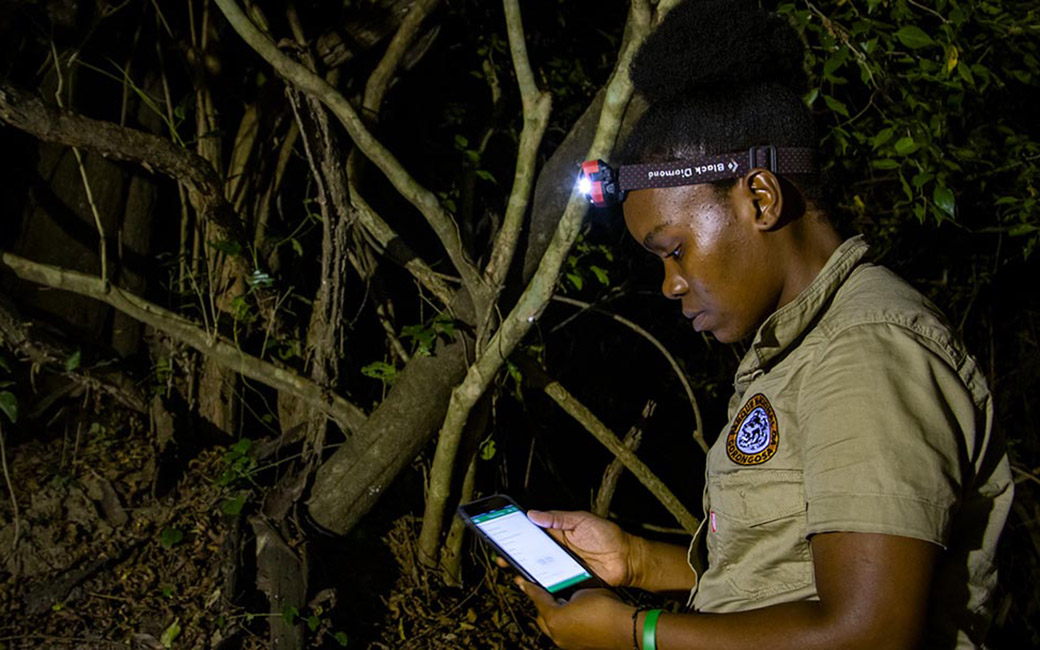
647,240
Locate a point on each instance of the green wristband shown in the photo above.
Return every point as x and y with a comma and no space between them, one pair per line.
650,629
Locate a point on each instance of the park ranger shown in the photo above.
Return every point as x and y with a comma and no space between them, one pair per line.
856,497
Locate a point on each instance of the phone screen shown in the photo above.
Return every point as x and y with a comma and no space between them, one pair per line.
531,547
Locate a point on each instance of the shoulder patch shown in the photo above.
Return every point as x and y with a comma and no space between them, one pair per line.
754,436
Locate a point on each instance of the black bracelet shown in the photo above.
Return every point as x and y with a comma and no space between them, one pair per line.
635,637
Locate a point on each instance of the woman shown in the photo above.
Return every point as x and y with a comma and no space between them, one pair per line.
856,497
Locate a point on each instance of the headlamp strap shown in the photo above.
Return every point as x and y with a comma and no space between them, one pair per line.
707,169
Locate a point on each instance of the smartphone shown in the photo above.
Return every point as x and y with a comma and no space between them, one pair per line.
499,521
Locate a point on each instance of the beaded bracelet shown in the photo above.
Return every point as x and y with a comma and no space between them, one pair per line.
635,636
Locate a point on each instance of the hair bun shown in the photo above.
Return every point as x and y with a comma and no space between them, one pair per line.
708,42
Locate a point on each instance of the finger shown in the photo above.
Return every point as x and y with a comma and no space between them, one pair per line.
542,626
500,561
542,599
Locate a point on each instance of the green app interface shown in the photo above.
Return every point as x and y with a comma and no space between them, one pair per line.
531,548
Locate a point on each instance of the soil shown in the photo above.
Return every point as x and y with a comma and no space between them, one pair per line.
99,557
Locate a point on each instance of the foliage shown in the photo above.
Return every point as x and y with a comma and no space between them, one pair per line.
588,263
936,104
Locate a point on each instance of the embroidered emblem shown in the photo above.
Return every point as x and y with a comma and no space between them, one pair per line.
714,528
754,437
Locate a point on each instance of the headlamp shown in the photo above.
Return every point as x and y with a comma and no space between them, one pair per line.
605,187
598,182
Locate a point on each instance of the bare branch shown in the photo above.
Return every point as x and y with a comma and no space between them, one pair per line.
388,240
537,106
379,81
698,431
225,352
26,338
534,298
609,439
424,200
632,440
30,114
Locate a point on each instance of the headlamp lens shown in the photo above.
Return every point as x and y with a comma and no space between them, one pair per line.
584,184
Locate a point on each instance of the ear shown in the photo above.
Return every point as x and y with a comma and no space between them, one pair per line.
768,198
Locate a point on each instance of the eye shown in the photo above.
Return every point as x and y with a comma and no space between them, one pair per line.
675,254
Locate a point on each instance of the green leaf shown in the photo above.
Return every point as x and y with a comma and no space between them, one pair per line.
885,163
9,405
242,446
914,37
73,361
380,370
4,363
234,505
1022,229
601,275
170,633
297,247
836,105
576,280
906,146
290,614
882,137
810,97
313,622
487,450
486,175
943,197
341,638
170,537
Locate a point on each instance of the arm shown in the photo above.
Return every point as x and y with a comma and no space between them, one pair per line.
873,593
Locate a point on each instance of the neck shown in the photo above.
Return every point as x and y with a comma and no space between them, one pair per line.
811,240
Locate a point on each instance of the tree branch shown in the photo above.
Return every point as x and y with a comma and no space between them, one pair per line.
27,338
608,439
388,240
379,81
534,298
698,431
30,114
537,106
425,201
347,415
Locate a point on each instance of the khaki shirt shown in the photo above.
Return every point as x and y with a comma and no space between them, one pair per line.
855,410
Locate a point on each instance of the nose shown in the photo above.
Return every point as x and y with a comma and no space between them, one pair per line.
674,285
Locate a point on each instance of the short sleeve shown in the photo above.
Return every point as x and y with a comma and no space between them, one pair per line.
886,421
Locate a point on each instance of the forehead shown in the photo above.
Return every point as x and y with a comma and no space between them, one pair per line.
649,211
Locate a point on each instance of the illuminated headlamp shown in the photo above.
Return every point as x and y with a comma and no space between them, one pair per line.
599,182
605,187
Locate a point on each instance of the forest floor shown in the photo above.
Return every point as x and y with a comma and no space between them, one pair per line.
97,557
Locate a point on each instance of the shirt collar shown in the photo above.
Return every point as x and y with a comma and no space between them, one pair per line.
784,326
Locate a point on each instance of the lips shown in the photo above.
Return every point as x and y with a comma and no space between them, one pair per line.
696,317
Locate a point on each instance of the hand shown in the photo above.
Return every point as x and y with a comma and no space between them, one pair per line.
608,550
593,619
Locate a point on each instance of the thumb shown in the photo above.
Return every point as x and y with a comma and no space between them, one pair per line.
557,519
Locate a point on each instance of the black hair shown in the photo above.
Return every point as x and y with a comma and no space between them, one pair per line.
721,76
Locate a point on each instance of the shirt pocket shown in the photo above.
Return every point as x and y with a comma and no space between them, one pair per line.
758,537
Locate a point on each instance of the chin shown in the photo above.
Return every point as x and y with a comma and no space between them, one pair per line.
723,335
